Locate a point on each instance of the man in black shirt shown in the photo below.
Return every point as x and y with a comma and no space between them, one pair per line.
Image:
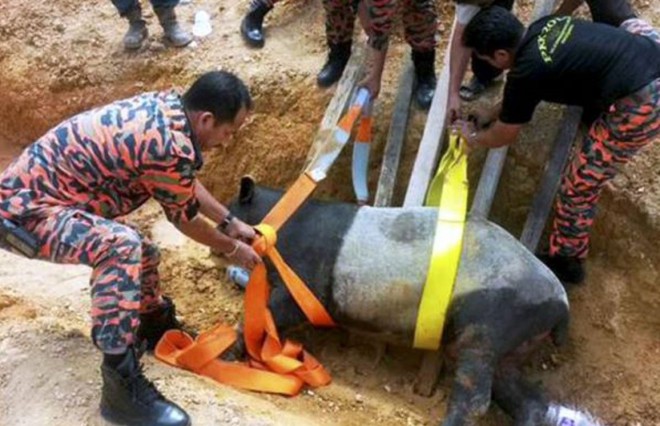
573,62
611,12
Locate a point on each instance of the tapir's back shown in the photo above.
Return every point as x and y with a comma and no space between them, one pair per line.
382,265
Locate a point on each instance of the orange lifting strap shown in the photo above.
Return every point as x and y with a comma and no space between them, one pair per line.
273,366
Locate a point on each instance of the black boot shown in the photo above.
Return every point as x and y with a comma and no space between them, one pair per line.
252,25
425,75
154,324
569,270
334,67
173,30
137,29
129,398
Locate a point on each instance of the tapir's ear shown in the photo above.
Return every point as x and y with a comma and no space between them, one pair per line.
247,190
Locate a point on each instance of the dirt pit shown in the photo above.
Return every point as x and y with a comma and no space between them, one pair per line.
59,58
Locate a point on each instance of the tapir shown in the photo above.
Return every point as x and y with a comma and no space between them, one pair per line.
368,267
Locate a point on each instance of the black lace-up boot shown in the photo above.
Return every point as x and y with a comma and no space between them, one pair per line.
333,68
252,25
129,398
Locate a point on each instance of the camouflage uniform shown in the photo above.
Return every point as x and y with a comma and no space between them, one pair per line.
71,187
614,138
419,20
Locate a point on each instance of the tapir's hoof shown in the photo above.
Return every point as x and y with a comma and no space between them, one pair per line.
569,270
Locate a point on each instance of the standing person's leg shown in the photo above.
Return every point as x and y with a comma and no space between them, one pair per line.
167,17
157,312
137,27
483,72
613,139
115,253
631,123
253,22
420,21
339,23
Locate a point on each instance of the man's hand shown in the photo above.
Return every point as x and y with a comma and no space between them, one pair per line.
372,83
243,255
468,131
240,230
376,64
453,108
485,116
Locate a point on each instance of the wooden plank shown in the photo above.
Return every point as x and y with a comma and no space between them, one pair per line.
428,374
422,173
488,181
551,178
395,136
345,88
432,141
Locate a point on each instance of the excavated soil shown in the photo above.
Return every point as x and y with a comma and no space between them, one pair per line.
59,58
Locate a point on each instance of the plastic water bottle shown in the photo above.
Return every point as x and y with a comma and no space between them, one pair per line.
238,276
558,415
202,25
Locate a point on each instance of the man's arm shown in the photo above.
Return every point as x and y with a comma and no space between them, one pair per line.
214,210
201,231
376,61
173,185
378,30
498,135
459,57
567,7
208,205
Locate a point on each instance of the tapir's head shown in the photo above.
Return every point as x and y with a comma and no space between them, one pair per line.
253,201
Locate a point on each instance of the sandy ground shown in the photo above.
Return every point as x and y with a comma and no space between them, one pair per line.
58,58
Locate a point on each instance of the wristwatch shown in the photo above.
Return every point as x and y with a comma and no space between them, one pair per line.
225,222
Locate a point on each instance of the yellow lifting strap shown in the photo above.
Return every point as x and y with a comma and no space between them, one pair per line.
449,192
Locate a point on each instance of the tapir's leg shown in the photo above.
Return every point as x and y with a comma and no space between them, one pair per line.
285,310
520,399
471,391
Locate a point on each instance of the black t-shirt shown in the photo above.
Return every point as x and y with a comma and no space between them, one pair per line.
573,62
611,12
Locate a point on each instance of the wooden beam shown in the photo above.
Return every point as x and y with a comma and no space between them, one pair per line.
432,141
395,136
488,181
345,88
428,374
542,203
422,173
